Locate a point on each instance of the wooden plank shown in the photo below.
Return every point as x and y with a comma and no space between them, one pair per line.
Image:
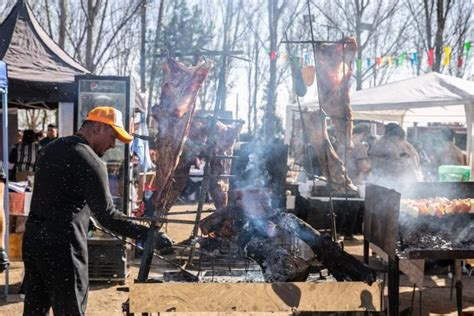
227,314
16,241
255,297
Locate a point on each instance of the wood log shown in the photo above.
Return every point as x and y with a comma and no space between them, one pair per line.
342,265
258,237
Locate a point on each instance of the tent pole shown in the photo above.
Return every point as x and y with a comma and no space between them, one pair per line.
4,93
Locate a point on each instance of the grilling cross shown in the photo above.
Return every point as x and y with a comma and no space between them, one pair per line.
174,115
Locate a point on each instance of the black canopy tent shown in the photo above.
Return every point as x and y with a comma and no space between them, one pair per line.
39,71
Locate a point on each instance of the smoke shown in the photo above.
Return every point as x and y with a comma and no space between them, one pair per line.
259,185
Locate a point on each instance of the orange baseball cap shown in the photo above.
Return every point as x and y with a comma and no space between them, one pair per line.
112,117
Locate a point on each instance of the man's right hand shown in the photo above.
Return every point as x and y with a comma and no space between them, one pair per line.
4,262
164,244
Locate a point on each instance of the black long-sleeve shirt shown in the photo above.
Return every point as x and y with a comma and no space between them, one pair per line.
70,181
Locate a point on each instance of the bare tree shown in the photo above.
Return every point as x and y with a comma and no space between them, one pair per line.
379,28
442,9
446,23
143,26
275,9
154,59
462,27
63,17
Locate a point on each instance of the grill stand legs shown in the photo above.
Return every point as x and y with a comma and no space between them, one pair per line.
457,276
393,286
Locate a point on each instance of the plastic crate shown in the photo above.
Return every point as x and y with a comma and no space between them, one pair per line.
107,260
454,173
16,203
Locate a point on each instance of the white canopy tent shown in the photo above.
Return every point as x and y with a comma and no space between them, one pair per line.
428,98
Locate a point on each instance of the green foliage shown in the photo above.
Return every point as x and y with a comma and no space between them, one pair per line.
185,30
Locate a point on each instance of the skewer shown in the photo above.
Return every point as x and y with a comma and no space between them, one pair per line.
155,219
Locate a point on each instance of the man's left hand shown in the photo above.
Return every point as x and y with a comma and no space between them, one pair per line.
4,262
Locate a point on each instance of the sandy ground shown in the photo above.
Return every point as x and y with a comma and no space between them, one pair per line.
105,299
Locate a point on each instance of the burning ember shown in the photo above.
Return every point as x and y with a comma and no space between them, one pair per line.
437,223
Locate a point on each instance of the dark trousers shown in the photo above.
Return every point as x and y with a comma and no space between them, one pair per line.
56,277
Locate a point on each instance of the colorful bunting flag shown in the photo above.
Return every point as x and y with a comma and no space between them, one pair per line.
430,57
359,64
447,56
391,59
467,48
401,58
273,55
414,58
306,59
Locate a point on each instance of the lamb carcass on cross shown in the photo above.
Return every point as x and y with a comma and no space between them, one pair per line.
174,114
334,71
197,146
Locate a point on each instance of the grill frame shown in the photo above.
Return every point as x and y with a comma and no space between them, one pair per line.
382,214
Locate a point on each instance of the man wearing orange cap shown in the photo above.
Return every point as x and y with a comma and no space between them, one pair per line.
71,182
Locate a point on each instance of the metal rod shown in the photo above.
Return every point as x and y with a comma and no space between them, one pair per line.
155,219
205,183
223,119
141,248
226,157
312,41
6,197
343,86
323,117
190,212
218,176
201,53
307,147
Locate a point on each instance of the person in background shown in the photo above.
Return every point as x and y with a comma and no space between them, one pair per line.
394,161
23,155
40,136
19,136
71,183
447,153
358,164
51,135
3,254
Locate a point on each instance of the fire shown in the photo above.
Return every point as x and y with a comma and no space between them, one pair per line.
341,72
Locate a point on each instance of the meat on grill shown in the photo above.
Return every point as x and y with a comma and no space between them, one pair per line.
174,114
330,164
196,145
227,134
333,69
437,206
